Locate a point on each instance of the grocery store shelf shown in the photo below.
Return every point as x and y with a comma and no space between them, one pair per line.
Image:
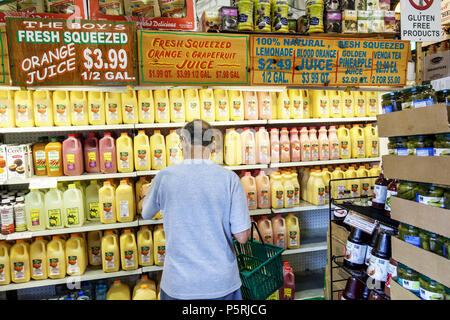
304,206
322,162
322,120
259,212
310,241
371,212
159,125
86,176
251,88
147,173
143,222
121,89
309,284
152,269
238,123
68,128
246,167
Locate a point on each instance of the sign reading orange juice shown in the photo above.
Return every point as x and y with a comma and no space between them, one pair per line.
194,58
315,61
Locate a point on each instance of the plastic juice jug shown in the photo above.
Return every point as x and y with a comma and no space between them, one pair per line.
92,201
371,141
372,103
335,104
177,105
96,108
295,146
143,292
360,103
295,98
318,189
42,106
249,184
236,105
38,259
334,143
326,177
357,139
145,280
5,267
107,150
145,246
337,187
274,99
233,148
288,289
54,203
19,261
35,211
262,146
110,252
320,103
76,259
113,108
279,231
305,145
265,105
128,251
118,291
263,190
162,111
363,184
80,111
146,106
23,106
314,144
293,231
40,167
125,206
251,108
344,142
217,147
306,104
207,106
285,146
324,144
348,104
7,114
94,240
248,147
158,150
91,154
73,207
265,228
304,183
142,160
61,108
130,107
72,156
159,241
373,172
294,179
351,186
192,103
222,104
125,161
277,190
283,105
56,258
289,191
274,146
173,150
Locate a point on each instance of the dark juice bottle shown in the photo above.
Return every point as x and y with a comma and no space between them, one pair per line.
355,250
392,190
380,190
353,289
379,261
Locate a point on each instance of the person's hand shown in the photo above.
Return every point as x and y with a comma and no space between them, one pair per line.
144,190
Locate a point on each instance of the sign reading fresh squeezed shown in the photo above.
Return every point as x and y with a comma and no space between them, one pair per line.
192,58
60,52
308,61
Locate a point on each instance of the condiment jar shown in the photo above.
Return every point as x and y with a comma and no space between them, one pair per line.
380,190
379,261
391,191
371,245
355,250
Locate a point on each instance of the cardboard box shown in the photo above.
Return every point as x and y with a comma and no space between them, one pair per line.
445,12
422,261
17,162
420,169
210,21
3,166
436,66
426,217
340,233
400,293
421,121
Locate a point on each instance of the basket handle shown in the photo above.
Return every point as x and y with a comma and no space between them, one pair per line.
257,230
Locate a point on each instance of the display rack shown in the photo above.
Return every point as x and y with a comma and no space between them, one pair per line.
322,162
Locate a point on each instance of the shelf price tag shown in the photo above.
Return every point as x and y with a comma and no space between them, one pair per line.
19,235
43,183
363,223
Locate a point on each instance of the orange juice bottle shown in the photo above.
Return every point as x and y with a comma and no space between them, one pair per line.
283,105
306,104
94,240
23,105
250,105
158,150
292,231
96,108
162,112
159,241
146,104
192,104
277,190
295,97
61,108
143,292
279,230
129,107
357,139
177,105
53,156
76,259
173,150
372,103
125,205
128,250
335,104
263,190
142,151
363,184
20,262
360,103
145,246
56,258
79,105
7,114
337,187
5,267
265,227
38,259
118,291
40,165
343,134
233,148
124,146
248,146
371,141
348,104
236,105
113,108
265,105
110,252
207,105
249,184
42,105
320,103
222,105
107,203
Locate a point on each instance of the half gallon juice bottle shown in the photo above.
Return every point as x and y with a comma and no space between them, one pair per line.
94,241
35,211
345,151
295,145
107,203
236,105
159,241
61,108
248,147
158,150
324,144
54,158
207,105
351,185
277,190
371,141
294,179
92,201
142,152
217,147
125,161
292,231
42,106
305,145
360,103
145,246
274,99
192,103
265,105
91,154
72,156
295,98
263,190
265,227
357,138
80,111
146,106
335,104
306,104
285,146
38,259
348,104
283,105
173,150
125,202
54,206
233,148
23,106
7,114
279,231
326,177
222,105
113,108
162,111
5,270
118,291
274,146
20,262
262,146
249,184
96,108
372,103
130,107
110,252
177,105
251,107
334,143
314,144
128,250
337,187
289,191
73,207
320,104
40,164
363,184
373,172
76,255
107,150
56,258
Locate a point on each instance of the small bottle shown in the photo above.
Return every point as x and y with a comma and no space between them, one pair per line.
19,214
371,245
379,261
353,289
391,191
380,190
7,217
355,250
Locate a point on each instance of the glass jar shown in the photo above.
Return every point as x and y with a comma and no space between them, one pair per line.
420,146
423,96
424,240
430,289
408,278
393,145
447,198
389,102
411,235
437,244
443,96
407,190
407,101
402,149
431,195
442,145
447,248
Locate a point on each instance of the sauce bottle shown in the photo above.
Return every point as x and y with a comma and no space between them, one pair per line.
353,289
379,261
391,191
371,245
380,190
355,250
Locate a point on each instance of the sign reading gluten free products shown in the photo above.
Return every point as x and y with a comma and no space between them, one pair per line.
60,52
421,20
192,58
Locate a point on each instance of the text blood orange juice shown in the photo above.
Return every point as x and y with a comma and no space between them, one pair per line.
125,159
61,108
113,108
107,150
79,105
42,105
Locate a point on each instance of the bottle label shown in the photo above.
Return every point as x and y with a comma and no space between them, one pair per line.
251,108
414,240
145,108
265,110
286,109
73,266
298,110
208,110
336,106
129,112
124,209
354,190
389,194
264,198
78,112
361,108
373,105
54,218
37,268
61,114
20,217
53,265
392,273
22,113
146,254
162,112
368,255
290,200
223,109
264,154
70,160
314,151
348,107
249,154
423,103
42,112
320,196
428,295
113,112
344,149
94,210
431,201
297,195
40,163
334,151
365,187
4,114
73,216
379,194
95,112
324,107
306,152
109,261
2,273
355,253
402,152
268,238
35,216
161,254
279,199
360,148
341,191
279,239
7,218
441,152
251,199
158,157
293,238
325,151
92,159
124,160
410,285
374,148
387,109
142,158
378,268
286,147
107,156
108,213
19,271
54,162
305,109
129,258
96,254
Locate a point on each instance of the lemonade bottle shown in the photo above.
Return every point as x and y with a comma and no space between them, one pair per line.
283,105
274,100
94,247
130,107
118,291
292,231
54,203
42,106
250,105
142,152
207,106
158,150
162,104
76,259
38,259
159,241
371,141
363,184
73,207
92,201
145,246
233,148
7,116
19,262
335,104
320,104
357,139
289,191
337,187
317,195
306,104
192,103
295,98
107,203
128,250
23,106
173,150
35,211
265,105
146,103
277,190
61,108
222,105
351,186
359,98
326,177
177,105
344,142
5,268
56,258
113,108
372,103
125,205
110,252
348,104
125,161
96,108
79,105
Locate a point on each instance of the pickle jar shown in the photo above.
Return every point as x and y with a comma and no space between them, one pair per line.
442,145
407,101
411,235
437,244
402,146
431,195
407,190
389,102
393,145
423,96
408,278
430,289
424,240
443,96
420,146
447,198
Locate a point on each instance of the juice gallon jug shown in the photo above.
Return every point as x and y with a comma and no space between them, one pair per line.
42,106
7,114
56,258
110,252
277,190
265,105
76,259
192,103
295,98
80,110
73,207
40,167
360,103
113,108
92,201
158,150
129,107
143,292
125,205
162,114
306,99
236,105
324,144
262,146
248,147
216,147
5,267
265,228
363,184
357,138
351,186
61,108
125,161
288,289
334,143
222,105
304,183
317,191
35,211
326,177
305,145
173,150
145,246
348,104
19,261
107,150
94,240
96,108
279,231
207,106
91,154
251,107
274,146
295,145
371,141
293,231
249,184
283,105
314,144
146,106
54,204
142,161
128,250
274,99
263,190
233,148
344,142
38,259
335,104
320,104
177,105
294,179
285,146
159,241
289,191
118,291
23,106
72,156
337,187
372,103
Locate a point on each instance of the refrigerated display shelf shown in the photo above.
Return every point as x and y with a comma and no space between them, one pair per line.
143,222
322,162
85,176
324,120
108,127
152,269
311,241
260,212
309,284
304,206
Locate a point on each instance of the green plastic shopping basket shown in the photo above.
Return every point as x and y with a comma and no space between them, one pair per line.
260,268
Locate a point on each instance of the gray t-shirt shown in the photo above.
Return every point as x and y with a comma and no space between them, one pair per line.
202,204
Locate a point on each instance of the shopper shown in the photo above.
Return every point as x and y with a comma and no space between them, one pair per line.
203,206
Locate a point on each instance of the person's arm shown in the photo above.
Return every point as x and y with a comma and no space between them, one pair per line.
242,237
152,204
239,215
